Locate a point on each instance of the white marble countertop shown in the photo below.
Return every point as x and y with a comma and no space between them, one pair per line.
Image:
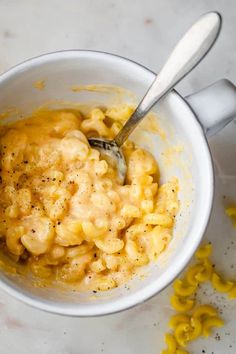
143,31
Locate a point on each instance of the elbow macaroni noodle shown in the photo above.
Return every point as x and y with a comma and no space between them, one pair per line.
232,292
220,285
204,311
231,212
175,320
171,344
181,304
204,251
209,323
182,288
206,273
63,212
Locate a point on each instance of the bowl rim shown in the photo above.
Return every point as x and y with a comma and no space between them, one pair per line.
132,300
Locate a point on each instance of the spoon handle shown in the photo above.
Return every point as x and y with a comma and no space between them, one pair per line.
189,51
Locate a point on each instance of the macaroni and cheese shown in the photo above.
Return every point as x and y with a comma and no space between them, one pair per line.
63,212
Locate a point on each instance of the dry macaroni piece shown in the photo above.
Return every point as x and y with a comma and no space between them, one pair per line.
204,251
171,344
232,292
181,304
231,212
182,288
221,285
63,212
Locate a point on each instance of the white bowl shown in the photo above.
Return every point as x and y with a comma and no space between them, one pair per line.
184,153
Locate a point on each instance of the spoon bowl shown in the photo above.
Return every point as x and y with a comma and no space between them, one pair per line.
109,149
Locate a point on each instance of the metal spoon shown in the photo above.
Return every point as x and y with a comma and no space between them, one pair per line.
189,51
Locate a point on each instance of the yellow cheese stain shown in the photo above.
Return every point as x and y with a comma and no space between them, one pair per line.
39,85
